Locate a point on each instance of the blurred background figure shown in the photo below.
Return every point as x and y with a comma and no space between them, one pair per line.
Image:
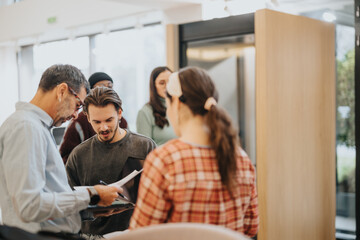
151,119
204,175
80,129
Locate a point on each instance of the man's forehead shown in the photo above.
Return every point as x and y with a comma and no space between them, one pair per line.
109,108
97,113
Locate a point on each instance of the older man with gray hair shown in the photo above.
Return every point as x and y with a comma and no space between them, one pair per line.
34,191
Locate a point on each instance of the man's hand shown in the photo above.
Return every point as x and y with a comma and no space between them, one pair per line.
107,194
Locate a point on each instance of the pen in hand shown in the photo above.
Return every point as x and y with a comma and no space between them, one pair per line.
104,183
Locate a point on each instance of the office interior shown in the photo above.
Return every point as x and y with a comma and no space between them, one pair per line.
285,71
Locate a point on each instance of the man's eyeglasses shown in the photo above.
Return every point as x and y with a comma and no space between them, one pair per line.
81,104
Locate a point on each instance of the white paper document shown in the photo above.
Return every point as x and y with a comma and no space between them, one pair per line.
123,181
119,183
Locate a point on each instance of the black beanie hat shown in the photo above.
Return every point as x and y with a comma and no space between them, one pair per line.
97,77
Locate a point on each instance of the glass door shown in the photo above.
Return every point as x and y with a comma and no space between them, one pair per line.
230,61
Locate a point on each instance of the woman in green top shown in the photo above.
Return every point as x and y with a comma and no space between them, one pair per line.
151,119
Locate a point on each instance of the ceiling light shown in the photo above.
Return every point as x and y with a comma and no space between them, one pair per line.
329,17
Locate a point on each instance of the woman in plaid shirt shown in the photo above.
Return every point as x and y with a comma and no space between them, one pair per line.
203,176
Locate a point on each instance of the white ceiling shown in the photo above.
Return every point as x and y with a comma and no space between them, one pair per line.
159,4
344,9
294,6
75,14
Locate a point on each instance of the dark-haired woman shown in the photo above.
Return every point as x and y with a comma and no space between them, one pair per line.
204,176
151,119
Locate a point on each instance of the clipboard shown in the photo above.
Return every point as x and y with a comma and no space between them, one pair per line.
118,204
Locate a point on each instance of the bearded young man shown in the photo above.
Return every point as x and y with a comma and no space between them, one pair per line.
108,156
80,129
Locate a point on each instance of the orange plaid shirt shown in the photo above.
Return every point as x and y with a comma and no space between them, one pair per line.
181,183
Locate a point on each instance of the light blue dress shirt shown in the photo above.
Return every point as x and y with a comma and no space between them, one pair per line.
34,191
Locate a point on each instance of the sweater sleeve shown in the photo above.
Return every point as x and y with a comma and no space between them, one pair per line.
71,170
143,123
72,138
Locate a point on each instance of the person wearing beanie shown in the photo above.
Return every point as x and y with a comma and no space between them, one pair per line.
100,79
80,129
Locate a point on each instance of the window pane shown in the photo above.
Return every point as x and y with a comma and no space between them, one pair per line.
36,59
129,56
74,52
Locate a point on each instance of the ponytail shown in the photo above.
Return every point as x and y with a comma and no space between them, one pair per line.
224,141
195,88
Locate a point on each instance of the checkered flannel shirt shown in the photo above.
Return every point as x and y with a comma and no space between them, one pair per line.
181,183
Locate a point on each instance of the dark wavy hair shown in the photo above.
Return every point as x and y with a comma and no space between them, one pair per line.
101,97
159,110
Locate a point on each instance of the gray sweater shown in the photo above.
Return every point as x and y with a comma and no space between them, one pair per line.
92,161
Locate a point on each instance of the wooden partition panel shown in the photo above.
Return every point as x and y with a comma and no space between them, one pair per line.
295,126
172,46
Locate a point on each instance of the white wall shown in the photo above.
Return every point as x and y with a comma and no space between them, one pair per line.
26,23
8,82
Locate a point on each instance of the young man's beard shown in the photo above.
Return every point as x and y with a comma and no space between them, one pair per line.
109,141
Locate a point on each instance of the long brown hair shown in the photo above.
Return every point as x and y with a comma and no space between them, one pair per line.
159,110
197,87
